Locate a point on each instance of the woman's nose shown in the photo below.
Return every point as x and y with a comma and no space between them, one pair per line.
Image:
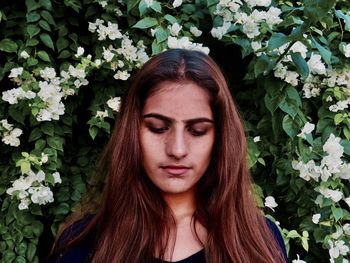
176,146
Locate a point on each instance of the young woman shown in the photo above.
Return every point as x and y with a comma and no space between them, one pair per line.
178,187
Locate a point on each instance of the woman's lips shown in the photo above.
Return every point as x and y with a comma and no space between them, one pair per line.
175,170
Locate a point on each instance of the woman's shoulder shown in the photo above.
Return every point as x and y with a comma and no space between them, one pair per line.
278,237
79,252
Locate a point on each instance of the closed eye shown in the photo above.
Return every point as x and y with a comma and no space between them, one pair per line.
157,130
197,132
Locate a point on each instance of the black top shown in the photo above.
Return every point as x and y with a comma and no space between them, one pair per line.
82,252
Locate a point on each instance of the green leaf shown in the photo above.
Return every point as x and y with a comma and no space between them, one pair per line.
21,248
48,128
170,19
64,54
32,62
337,213
277,40
46,4
301,65
48,17
62,209
35,135
44,56
146,22
324,52
290,126
338,118
289,106
43,24
46,39
93,130
156,7
74,4
346,145
61,43
8,256
142,7
346,18
315,10
25,167
7,45
31,251
262,64
56,143
32,42
32,17
161,34
31,5
131,4
32,30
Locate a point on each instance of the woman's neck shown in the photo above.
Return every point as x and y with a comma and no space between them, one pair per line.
182,205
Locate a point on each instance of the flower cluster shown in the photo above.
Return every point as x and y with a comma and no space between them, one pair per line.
33,188
331,166
233,10
46,95
111,30
9,134
185,43
338,248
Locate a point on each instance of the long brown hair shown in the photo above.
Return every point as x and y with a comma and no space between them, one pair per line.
134,222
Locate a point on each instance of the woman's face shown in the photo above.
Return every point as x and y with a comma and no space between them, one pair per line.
177,136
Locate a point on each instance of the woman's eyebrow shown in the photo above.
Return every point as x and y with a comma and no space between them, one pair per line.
170,120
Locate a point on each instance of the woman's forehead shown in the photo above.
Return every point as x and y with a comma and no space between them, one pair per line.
179,99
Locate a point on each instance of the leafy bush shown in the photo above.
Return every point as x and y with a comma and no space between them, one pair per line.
64,65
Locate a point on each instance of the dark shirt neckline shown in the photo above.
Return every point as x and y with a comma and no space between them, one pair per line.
196,254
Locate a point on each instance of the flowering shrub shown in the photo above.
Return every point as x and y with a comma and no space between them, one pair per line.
65,64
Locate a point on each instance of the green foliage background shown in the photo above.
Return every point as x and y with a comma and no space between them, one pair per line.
51,32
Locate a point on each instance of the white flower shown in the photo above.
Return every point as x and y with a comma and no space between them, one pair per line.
41,195
114,103
94,26
185,43
307,171
57,177
219,32
335,195
24,54
101,114
299,47
346,229
337,248
298,260
103,3
195,31
15,72
48,73
25,202
347,51
177,3
333,146
251,29
347,201
272,16
307,129
256,45
11,138
315,65
113,32
44,158
122,75
149,2
4,123
80,52
256,139
316,218
174,29
291,77
270,202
